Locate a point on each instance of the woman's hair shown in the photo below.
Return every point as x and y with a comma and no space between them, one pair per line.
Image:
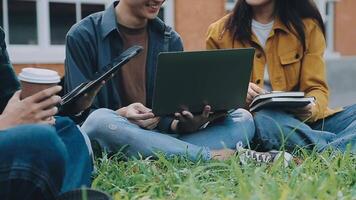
290,12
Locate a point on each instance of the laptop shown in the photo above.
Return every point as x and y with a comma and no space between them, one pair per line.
191,80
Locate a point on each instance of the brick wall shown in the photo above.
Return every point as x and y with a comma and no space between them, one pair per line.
345,27
193,17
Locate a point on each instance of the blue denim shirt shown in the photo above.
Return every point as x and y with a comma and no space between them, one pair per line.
95,41
9,83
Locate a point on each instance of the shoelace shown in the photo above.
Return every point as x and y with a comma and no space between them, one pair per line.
251,154
259,156
265,157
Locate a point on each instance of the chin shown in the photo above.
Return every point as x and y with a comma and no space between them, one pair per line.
151,16
258,2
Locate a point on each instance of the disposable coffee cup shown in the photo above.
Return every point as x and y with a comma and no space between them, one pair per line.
34,80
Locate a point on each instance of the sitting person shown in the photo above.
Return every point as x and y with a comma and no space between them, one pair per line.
125,118
290,43
40,158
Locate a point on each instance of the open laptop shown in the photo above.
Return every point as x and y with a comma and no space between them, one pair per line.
191,80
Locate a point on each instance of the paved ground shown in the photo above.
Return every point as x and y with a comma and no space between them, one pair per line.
341,75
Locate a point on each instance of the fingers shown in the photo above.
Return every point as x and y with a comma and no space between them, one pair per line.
252,93
148,124
303,116
137,111
179,117
304,110
139,116
206,111
153,124
249,99
141,108
44,114
187,115
309,107
50,102
48,121
184,116
96,89
44,94
256,88
303,113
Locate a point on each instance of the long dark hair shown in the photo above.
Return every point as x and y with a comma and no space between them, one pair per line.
290,12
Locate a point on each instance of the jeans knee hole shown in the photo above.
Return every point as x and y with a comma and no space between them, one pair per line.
112,127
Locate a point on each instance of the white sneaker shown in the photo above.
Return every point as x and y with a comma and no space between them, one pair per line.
262,157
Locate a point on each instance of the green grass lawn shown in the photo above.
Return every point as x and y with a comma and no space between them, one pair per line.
320,176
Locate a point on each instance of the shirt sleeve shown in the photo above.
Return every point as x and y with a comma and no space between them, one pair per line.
313,73
9,83
79,67
210,41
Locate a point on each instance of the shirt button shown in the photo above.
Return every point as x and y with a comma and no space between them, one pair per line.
258,81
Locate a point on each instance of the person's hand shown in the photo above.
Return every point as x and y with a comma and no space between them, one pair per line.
140,115
303,113
36,109
84,102
186,122
253,91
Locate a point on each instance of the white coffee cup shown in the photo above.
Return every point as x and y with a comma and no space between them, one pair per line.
34,80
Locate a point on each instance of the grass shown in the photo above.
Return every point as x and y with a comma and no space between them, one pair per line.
321,176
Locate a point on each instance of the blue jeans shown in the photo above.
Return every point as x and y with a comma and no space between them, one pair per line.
40,161
114,132
277,129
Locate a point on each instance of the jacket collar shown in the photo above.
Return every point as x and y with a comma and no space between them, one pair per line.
278,25
109,22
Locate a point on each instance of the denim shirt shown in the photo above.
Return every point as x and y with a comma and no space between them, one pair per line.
95,41
9,83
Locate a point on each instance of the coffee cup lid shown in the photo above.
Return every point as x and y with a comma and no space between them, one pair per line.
37,75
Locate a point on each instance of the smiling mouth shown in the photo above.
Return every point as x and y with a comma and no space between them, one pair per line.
153,5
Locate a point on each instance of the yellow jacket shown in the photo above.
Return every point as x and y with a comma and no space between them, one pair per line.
289,68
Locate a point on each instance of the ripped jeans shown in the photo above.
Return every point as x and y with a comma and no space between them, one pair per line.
113,132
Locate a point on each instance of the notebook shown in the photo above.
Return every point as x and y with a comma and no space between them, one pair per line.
281,100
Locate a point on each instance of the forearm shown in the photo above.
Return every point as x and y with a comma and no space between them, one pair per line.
313,73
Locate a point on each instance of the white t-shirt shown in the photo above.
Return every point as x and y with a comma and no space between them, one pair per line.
262,32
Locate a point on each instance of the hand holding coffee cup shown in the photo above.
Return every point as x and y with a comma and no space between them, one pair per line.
35,80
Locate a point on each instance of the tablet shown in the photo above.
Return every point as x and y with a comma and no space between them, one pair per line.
115,66
191,80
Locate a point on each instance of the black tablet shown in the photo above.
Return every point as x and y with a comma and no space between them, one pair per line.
86,87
